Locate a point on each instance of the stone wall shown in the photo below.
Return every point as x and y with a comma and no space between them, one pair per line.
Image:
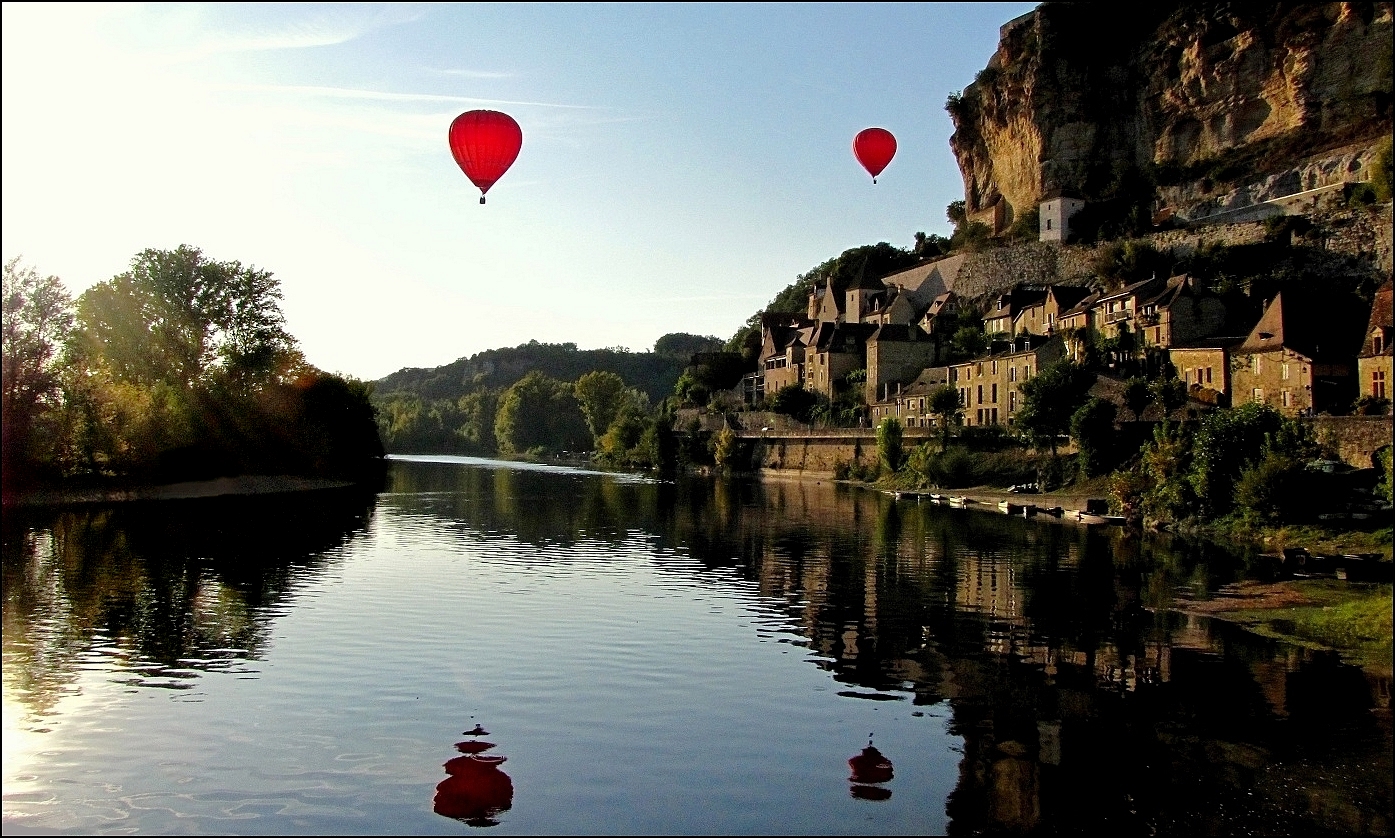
1356,438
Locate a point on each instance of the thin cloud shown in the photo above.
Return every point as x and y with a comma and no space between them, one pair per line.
382,96
476,74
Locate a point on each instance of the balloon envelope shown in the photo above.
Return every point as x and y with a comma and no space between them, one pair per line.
874,148
485,144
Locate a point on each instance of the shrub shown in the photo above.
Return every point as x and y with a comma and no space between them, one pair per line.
889,444
1273,489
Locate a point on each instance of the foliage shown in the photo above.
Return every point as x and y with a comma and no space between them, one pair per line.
1385,464
37,318
1051,398
684,346
1027,225
601,395
1231,441
943,403
713,372
1383,173
539,413
890,451
1092,427
795,401
1130,261
1169,392
1138,394
972,236
180,318
724,447
1369,405
1273,488
968,342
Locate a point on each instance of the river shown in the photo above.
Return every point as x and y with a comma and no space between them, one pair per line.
547,650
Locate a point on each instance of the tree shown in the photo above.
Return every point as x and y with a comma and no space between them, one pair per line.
944,403
601,395
795,401
1051,399
1170,392
1138,394
539,413
890,451
683,345
968,341
1092,428
186,320
37,318
1231,441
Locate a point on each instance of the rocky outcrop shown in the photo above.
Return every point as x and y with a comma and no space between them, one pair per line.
1201,99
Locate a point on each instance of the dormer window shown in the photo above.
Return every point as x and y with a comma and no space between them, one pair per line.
1378,343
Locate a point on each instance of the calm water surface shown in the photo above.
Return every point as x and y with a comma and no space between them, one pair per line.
651,657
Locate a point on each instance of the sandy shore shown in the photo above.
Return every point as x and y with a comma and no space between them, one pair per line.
254,484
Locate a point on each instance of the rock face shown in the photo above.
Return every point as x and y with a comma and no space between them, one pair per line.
1199,99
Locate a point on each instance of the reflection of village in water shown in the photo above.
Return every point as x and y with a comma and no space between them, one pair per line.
1070,683
1080,698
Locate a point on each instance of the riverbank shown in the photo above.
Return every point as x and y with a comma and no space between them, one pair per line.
250,484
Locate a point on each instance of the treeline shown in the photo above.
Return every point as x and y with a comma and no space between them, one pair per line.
545,399
178,369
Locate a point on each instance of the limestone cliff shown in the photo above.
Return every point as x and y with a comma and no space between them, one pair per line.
1184,100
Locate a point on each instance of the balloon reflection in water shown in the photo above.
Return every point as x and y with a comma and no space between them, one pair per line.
476,790
869,769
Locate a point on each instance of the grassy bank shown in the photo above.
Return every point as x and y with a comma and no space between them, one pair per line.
1354,619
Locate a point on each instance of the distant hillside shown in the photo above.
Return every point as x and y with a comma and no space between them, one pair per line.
497,369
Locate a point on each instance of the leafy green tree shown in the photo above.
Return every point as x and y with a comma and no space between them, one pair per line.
181,318
890,447
1050,400
539,414
1231,441
724,448
601,396
37,318
684,346
1138,394
477,413
1092,428
1170,393
793,400
944,403
1273,488
968,341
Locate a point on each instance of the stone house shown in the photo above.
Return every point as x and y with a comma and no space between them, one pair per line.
1053,217
1300,357
1076,326
1116,313
1003,311
784,347
1039,317
836,349
910,404
990,387
1374,362
1181,313
1204,366
896,354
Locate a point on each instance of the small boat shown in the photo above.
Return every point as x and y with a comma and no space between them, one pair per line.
1010,508
936,497
1029,510
960,501
1080,516
1053,511
1116,520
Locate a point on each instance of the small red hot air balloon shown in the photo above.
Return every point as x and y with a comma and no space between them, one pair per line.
485,144
874,148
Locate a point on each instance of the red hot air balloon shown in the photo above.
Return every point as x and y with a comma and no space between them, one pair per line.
485,144
874,148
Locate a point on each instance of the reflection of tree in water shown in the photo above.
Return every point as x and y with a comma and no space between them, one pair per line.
177,585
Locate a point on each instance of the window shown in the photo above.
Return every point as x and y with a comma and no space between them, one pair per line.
1012,373
1012,401
980,394
1285,396
1283,373
1208,375
995,367
1378,383
994,415
1048,221
1377,343
1257,395
995,394
979,371
1026,372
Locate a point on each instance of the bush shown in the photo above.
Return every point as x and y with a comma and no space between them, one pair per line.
1273,489
889,446
1092,427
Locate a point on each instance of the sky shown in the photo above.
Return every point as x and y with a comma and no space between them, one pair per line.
681,164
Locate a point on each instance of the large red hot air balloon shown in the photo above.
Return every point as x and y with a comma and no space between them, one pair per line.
485,144
874,148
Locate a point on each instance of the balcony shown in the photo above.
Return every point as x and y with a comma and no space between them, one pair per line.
1149,319
1117,316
